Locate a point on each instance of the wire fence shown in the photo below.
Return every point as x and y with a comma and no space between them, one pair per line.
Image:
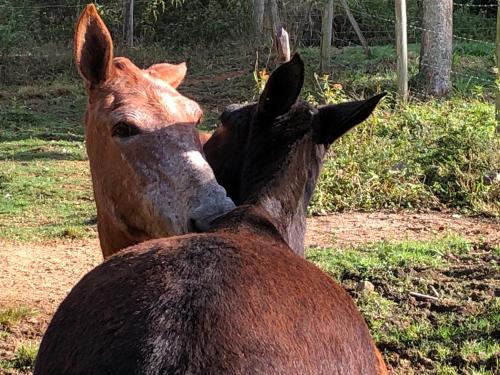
51,26
475,34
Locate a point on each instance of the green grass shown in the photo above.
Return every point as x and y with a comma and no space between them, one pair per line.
427,154
433,154
12,316
24,358
45,186
430,153
45,199
385,257
456,334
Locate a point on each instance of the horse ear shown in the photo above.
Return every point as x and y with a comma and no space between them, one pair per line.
93,47
173,74
282,88
333,121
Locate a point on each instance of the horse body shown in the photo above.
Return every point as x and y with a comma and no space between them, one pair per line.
233,300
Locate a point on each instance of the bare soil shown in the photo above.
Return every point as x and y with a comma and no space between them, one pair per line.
39,276
354,228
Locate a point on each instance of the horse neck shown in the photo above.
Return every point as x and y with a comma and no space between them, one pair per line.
283,200
287,194
247,217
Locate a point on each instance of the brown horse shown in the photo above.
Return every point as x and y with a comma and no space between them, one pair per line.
229,155
236,300
149,175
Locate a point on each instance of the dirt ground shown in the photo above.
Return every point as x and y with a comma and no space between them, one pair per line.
348,229
39,276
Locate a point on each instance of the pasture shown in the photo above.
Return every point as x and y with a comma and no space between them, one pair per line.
408,202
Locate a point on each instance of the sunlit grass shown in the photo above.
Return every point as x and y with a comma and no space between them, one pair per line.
12,316
450,335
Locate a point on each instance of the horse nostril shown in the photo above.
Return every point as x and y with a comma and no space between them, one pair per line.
192,227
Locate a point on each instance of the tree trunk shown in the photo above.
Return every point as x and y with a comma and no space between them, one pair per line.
258,15
275,19
436,50
326,36
128,22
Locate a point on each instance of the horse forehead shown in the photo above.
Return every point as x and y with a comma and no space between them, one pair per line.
124,66
141,94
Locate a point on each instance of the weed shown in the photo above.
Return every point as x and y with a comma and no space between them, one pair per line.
377,310
12,316
475,350
24,358
425,154
365,261
446,370
73,232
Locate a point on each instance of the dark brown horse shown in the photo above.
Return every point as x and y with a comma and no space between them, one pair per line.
235,300
230,155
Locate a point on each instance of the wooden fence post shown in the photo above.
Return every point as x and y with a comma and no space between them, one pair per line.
326,36
282,46
128,22
402,49
356,27
498,69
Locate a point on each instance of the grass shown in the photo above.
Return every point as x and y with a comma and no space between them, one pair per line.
45,199
44,179
385,257
458,334
12,316
430,155
24,355
427,154
24,358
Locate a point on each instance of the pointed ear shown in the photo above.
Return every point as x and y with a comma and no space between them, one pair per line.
282,88
333,121
93,47
171,73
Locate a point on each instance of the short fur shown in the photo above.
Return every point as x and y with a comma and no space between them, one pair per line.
236,300
149,176
230,153
233,302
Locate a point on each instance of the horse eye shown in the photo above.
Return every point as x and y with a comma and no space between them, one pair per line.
124,130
